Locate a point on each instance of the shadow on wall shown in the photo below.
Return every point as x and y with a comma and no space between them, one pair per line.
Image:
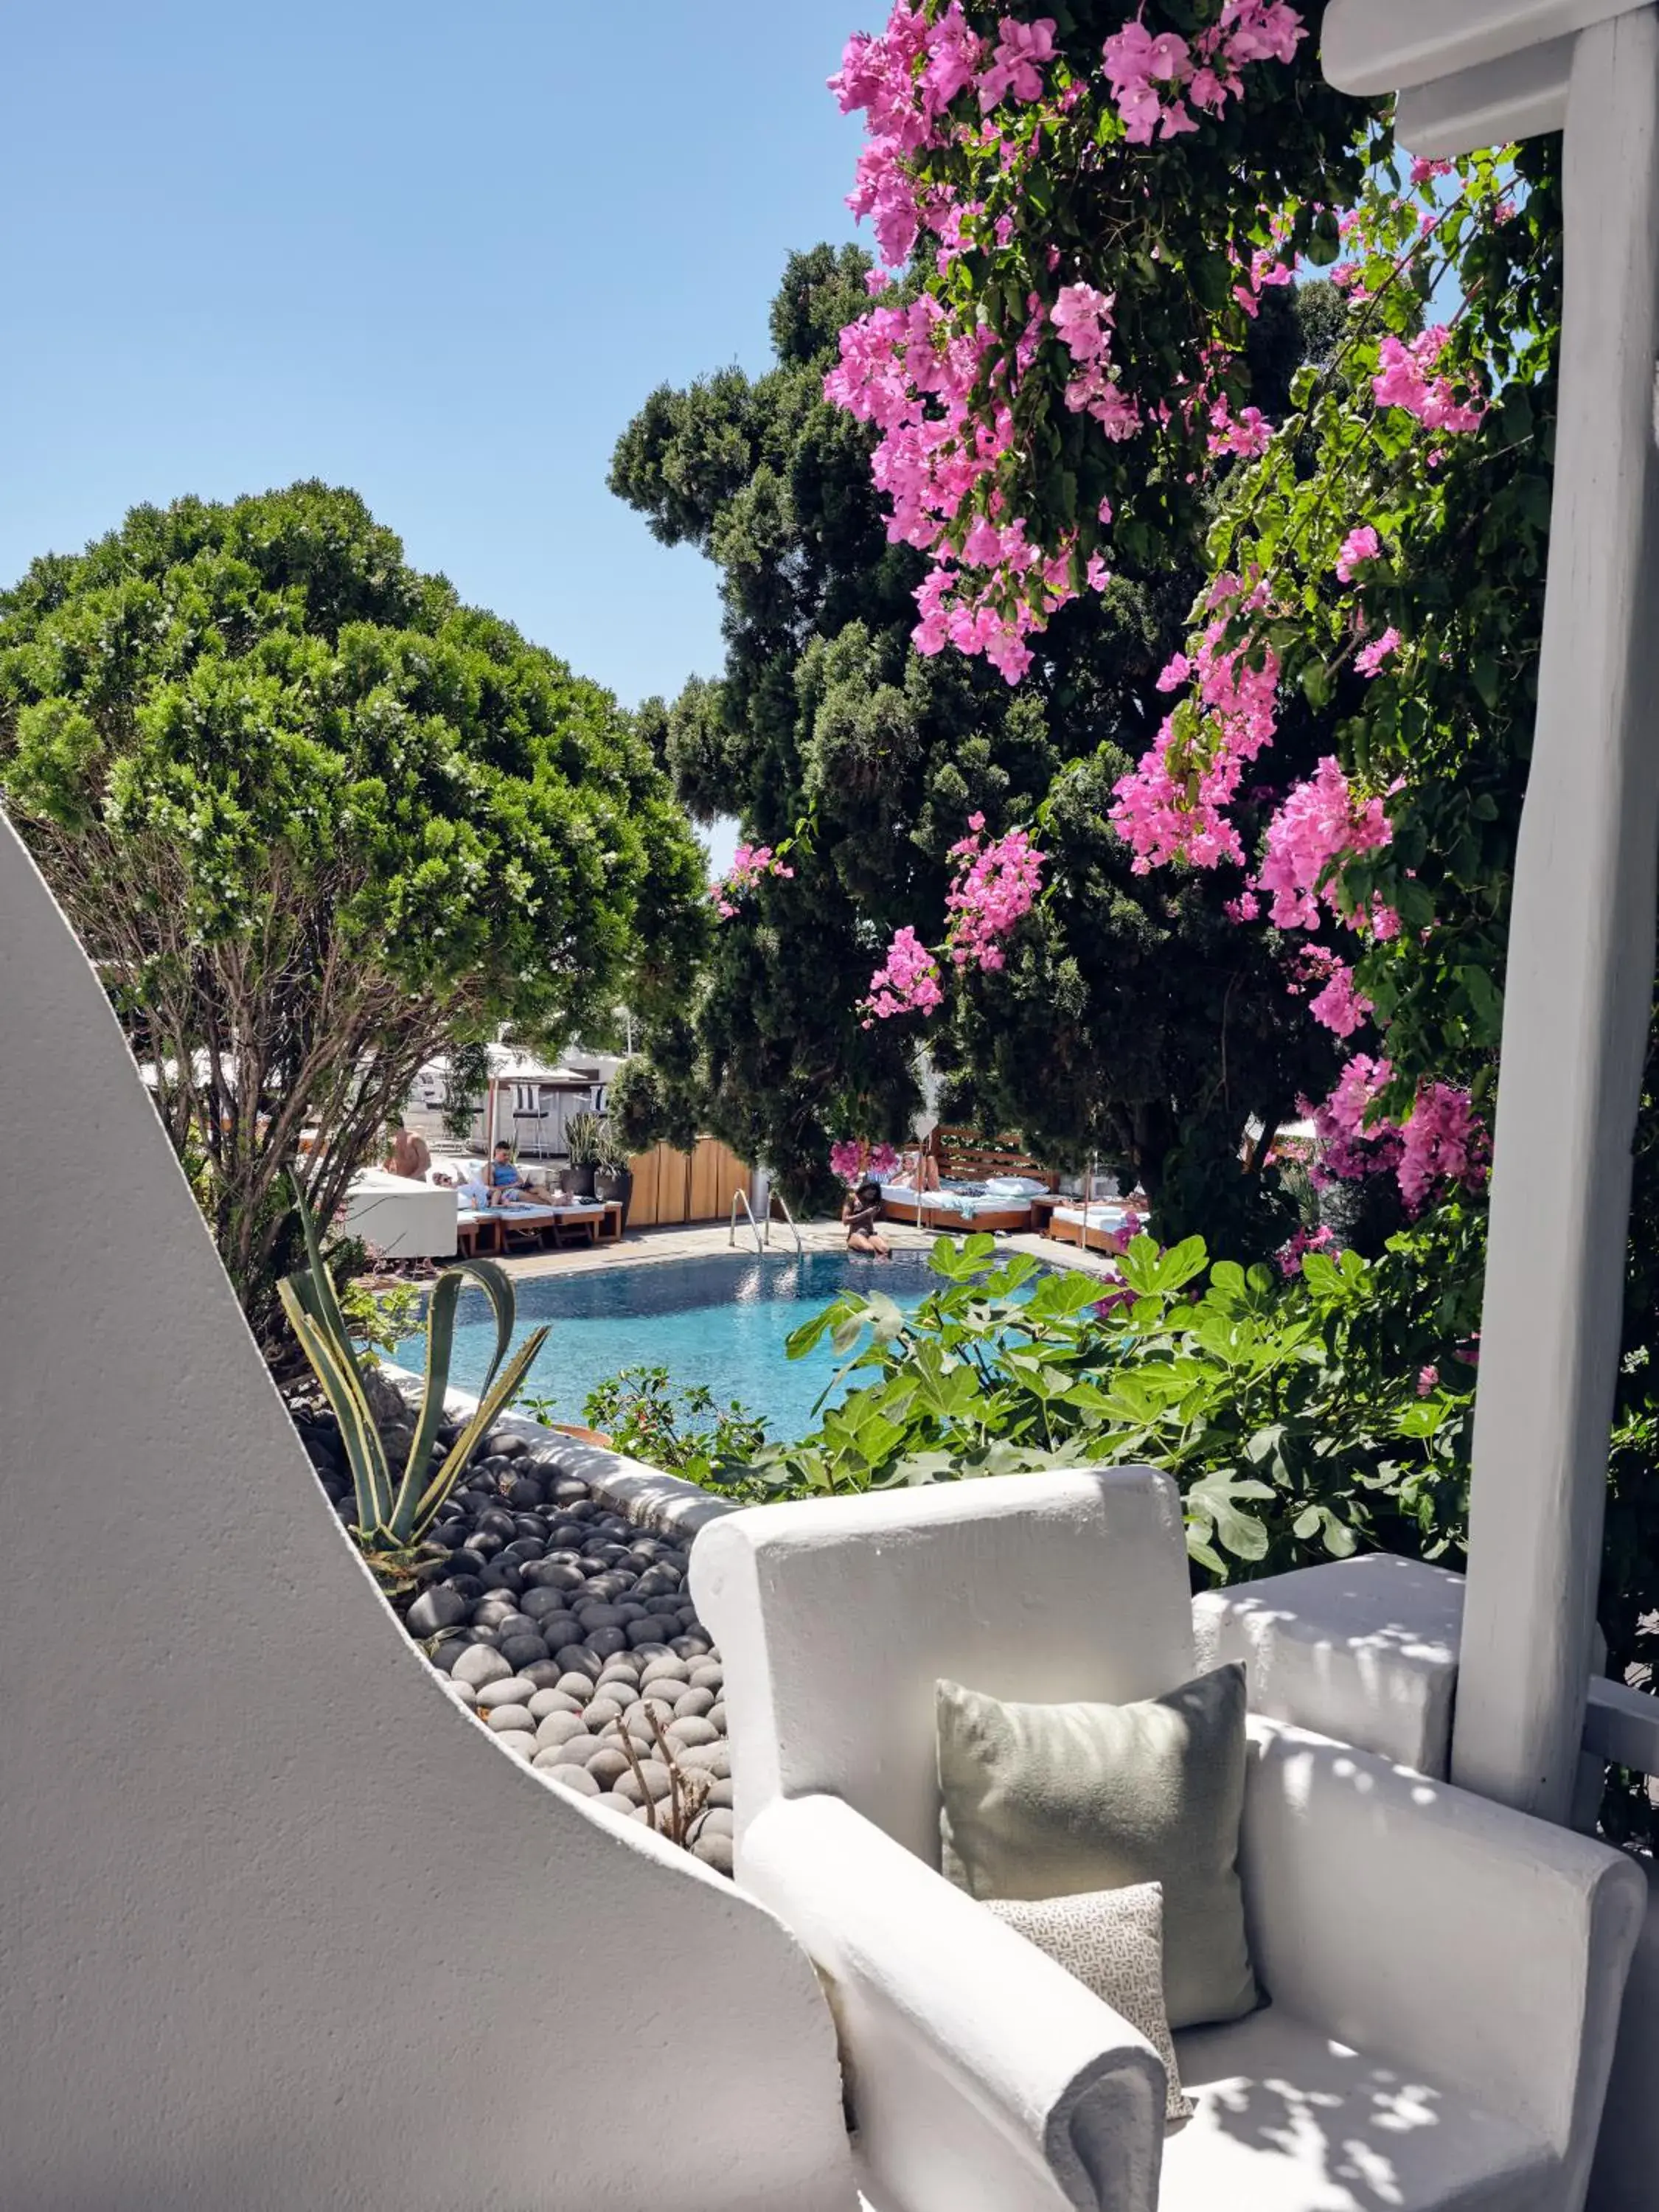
287,1928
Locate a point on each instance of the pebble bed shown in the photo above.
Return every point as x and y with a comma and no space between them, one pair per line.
563,1624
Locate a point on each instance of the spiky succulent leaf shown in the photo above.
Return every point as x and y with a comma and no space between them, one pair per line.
440,1345
497,1286
327,1305
343,1387
499,1394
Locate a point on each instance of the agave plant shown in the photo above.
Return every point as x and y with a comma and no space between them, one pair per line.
394,1516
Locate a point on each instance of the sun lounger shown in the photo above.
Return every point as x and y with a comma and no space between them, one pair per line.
598,1221
1094,1226
957,1206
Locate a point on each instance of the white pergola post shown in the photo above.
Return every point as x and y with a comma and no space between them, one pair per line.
1580,976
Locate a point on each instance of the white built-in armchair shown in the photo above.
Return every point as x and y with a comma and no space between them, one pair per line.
1444,1974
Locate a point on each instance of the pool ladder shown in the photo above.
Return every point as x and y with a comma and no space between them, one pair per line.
740,1198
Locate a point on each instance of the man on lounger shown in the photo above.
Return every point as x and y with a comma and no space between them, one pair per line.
510,1185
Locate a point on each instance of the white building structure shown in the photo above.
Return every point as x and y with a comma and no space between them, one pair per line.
1579,990
284,1928
526,1099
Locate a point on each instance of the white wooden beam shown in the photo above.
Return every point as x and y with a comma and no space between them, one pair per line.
1579,986
1621,1725
1518,97
1377,46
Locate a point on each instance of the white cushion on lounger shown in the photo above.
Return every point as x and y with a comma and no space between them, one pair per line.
1016,1186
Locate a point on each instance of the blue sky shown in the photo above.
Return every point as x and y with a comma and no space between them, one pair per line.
437,254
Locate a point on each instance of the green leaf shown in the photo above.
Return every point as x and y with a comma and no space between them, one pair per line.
811,1334
1181,1263
327,1305
1063,1295
883,1317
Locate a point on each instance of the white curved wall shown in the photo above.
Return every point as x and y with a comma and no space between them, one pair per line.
283,1927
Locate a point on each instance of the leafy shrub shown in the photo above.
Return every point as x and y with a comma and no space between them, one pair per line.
649,1107
378,1319
291,793
1303,1418
466,1079
637,1409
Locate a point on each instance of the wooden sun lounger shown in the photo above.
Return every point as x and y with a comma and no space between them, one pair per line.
565,1225
1097,1232
962,1155
952,1220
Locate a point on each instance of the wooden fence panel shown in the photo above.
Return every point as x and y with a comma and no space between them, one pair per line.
672,1187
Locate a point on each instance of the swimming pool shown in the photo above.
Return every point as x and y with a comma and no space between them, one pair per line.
719,1321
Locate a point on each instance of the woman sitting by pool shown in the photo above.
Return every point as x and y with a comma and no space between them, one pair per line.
861,1213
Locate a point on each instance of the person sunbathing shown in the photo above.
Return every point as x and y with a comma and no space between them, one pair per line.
924,1174
861,1215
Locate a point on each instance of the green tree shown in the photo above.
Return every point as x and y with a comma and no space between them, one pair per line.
1132,1020
313,819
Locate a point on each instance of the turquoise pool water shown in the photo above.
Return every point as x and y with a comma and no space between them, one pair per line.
720,1321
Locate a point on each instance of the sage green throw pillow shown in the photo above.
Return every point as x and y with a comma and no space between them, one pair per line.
1050,1800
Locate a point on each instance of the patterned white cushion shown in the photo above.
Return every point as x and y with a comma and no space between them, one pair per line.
1112,1939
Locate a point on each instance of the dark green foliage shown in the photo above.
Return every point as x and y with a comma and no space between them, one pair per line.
313,818
647,1108
1133,1020
466,1082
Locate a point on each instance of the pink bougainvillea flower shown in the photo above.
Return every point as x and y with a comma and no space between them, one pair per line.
1370,658
1083,317
852,1158
907,980
1021,49
1442,1142
1361,544
996,883
749,863
1319,826
1406,379
1289,1254
1338,1006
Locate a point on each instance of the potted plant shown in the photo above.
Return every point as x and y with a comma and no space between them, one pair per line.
614,1178
582,1134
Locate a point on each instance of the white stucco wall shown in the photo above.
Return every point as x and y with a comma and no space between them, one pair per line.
284,1928
403,1219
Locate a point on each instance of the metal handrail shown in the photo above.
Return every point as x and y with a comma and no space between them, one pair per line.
740,1198
776,1198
